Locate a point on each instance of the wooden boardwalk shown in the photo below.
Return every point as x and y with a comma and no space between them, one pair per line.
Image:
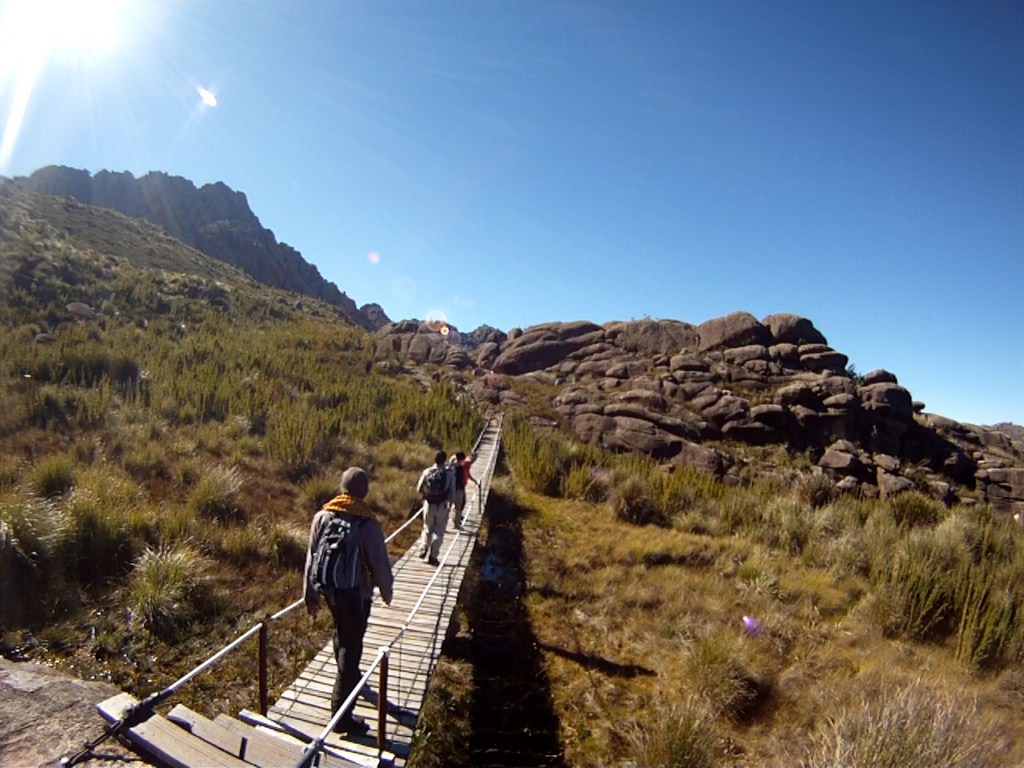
414,627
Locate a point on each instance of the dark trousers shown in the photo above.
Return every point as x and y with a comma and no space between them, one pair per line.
351,612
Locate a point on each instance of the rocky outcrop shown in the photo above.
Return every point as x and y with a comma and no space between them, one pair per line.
664,388
1004,488
48,715
213,219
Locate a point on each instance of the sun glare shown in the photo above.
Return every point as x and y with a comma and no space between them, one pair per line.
34,32
43,27
209,98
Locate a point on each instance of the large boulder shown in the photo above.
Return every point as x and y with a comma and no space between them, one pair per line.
700,457
1003,488
649,338
821,358
886,400
787,328
640,436
542,346
736,329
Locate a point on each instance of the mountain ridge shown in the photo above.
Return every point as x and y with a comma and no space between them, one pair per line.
214,219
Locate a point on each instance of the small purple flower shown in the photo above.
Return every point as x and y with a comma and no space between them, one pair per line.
752,626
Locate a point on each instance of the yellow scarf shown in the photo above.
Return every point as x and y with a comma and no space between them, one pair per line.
350,505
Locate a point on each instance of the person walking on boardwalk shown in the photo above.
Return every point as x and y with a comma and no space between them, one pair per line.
436,485
346,559
460,466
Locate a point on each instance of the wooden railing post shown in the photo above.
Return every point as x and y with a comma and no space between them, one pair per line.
264,695
382,699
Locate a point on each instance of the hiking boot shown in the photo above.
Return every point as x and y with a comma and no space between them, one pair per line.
352,726
434,561
423,554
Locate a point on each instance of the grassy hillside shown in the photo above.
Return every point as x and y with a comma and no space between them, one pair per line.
661,619
168,427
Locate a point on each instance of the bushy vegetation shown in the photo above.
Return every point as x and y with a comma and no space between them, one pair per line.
749,603
163,455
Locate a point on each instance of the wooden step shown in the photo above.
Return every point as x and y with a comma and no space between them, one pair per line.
261,748
167,743
223,738
347,756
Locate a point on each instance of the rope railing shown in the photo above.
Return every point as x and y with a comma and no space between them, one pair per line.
143,710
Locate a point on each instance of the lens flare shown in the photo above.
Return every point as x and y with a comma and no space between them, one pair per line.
209,97
373,257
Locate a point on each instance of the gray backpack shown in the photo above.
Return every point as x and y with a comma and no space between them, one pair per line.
337,560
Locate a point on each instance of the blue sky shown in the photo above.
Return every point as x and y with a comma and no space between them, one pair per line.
512,163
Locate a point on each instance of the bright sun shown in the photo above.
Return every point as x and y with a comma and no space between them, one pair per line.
41,27
34,32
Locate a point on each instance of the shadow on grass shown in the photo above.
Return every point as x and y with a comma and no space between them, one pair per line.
513,722
610,668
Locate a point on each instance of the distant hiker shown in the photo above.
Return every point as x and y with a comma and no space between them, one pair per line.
346,559
436,485
460,466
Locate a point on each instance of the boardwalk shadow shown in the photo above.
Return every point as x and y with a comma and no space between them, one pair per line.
513,718
601,664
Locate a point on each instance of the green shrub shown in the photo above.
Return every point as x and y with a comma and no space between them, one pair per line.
587,483
815,490
298,436
915,586
101,510
632,502
215,494
163,591
720,676
785,524
288,547
9,476
536,460
317,491
146,460
676,736
914,509
53,476
37,526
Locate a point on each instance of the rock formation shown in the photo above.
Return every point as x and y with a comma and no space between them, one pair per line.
667,388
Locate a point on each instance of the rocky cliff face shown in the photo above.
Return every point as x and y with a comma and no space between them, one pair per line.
213,219
672,390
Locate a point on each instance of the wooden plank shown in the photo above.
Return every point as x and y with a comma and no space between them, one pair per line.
329,760
262,748
168,743
207,730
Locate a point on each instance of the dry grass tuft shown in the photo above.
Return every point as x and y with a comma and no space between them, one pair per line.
914,726
678,735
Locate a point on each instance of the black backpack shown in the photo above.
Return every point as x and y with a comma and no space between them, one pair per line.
336,559
435,484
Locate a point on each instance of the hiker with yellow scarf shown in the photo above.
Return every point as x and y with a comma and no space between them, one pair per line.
347,596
